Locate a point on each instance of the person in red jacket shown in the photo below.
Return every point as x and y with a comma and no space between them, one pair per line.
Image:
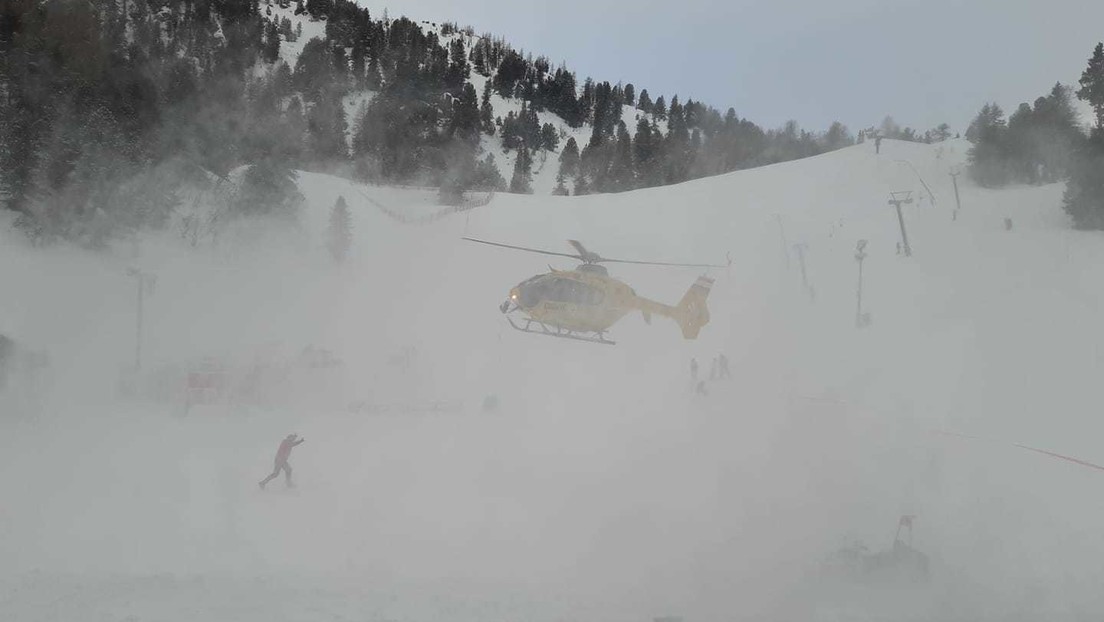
282,455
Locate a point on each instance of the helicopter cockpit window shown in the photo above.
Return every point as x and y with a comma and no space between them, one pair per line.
574,292
560,290
531,280
534,290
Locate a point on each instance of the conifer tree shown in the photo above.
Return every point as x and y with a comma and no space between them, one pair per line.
487,175
340,64
988,156
622,176
1092,84
561,188
373,80
466,123
676,121
645,147
479,60
293,131
326,125
695,166
1084,196
271,43
581,186
659,109
586,102
486,111
458,69
520,182
550,139
268,189
511,131
1058,134
339,234
319,8
645,103
530,126
358,63
569,158
837,137
314,69
691,114
511,71
1022,152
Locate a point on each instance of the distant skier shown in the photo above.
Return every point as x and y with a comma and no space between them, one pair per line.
877,144
281,462
693,369
700,389
722,363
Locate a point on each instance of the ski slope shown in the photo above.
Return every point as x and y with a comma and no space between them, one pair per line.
602,488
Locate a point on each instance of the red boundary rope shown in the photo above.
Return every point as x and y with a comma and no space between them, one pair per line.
1052,454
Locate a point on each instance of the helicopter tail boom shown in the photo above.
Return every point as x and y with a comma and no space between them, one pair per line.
691,313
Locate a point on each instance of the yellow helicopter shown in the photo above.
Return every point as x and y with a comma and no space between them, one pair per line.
584,303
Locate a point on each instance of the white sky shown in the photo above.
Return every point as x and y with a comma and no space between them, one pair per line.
851,60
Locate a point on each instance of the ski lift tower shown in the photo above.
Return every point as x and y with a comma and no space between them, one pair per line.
861,319
146,283
897,199
958,203
800,248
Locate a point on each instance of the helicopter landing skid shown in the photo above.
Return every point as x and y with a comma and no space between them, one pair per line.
561,333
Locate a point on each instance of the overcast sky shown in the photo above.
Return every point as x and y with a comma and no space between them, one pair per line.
809,60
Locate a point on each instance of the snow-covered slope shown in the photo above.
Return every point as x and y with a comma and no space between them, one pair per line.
545,163
602,488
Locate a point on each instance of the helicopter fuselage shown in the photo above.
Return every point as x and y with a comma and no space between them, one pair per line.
585,302
587,299
577,300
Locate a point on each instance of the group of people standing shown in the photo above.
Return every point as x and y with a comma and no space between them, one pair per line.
718,369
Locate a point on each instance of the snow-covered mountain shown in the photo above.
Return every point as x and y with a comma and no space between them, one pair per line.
545,161
602,487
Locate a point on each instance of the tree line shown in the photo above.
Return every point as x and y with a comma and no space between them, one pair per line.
108,108
1044,142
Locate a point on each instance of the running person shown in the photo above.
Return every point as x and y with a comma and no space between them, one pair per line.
281,462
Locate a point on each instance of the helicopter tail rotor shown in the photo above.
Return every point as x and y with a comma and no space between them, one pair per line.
691,313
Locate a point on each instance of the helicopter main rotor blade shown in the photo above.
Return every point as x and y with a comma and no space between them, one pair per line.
591,257
523,248
663,263
583,252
